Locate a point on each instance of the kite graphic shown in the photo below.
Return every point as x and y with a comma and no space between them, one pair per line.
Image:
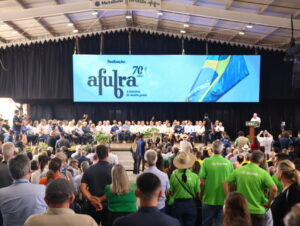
219,74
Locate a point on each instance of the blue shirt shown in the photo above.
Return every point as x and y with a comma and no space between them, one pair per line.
164,181
114,129
178,129
21,200
140,147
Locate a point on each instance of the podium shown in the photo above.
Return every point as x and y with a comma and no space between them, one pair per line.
252,125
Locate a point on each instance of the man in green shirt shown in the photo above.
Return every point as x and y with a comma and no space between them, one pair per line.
213,172
251,180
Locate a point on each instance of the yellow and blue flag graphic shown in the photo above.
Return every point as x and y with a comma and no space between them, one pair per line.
218,75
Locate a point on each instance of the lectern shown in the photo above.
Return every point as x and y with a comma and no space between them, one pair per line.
252,125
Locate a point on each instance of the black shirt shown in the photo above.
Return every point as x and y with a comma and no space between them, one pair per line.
147,216
207,124
5,178
62,142
16,127
97,177
283,203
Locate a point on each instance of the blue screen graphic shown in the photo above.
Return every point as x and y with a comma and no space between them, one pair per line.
166,78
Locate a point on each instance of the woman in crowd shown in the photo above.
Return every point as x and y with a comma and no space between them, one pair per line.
236,210
255,145
120,195
184,188
43,162
290,178
53,172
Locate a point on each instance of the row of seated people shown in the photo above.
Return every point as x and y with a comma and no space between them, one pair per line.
82,131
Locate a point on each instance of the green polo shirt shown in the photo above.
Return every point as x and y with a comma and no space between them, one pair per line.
121,203
251,181
192,184
278,184
215,170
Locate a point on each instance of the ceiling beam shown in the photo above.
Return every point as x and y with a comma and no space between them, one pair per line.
3,40
58,2
167,6
18,29
258,41
211,28
266,3
229,4
39,20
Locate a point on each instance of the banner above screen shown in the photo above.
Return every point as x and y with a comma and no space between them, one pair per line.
166,78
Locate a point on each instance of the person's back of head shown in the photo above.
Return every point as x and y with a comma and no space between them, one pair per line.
34,165
217,147
120,181
240,158
8,150
148,188
240,133
43,161
55,165
293,217
84,166
257,157
59,193
236,210
19,167
102,152
151,157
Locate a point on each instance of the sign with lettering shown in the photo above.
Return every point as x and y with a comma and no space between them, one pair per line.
166,78
124,4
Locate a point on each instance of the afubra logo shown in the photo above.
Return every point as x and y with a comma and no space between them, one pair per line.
115,81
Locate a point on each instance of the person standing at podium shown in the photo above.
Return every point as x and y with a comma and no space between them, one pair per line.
255,118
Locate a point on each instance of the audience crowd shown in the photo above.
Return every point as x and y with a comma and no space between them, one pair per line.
180,181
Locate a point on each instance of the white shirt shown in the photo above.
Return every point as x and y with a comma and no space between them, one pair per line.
200,129
220,129
113,159
266,142
185,146
257,119
189,129
106,129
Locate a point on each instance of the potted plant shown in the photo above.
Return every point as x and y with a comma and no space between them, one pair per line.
43,146
150,132
102,138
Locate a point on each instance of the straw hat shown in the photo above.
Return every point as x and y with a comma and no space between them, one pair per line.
184,136
245,148
184,160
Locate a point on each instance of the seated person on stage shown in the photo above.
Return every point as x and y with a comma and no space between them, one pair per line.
200,130
169,130
59,196
219,130
124,134
87,135
43,130
114,132
148,191
178,130
78,132
133,130
142,127
189,129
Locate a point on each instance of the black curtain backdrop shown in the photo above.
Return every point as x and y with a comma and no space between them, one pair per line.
41,75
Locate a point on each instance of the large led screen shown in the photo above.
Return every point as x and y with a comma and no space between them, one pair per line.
166,78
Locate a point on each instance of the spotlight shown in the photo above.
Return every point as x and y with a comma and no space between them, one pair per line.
160,13
75,31
249,26
128,16
241,33
186,25
182,31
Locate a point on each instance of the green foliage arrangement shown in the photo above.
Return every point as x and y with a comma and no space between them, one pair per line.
149,132
102,138
43,146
